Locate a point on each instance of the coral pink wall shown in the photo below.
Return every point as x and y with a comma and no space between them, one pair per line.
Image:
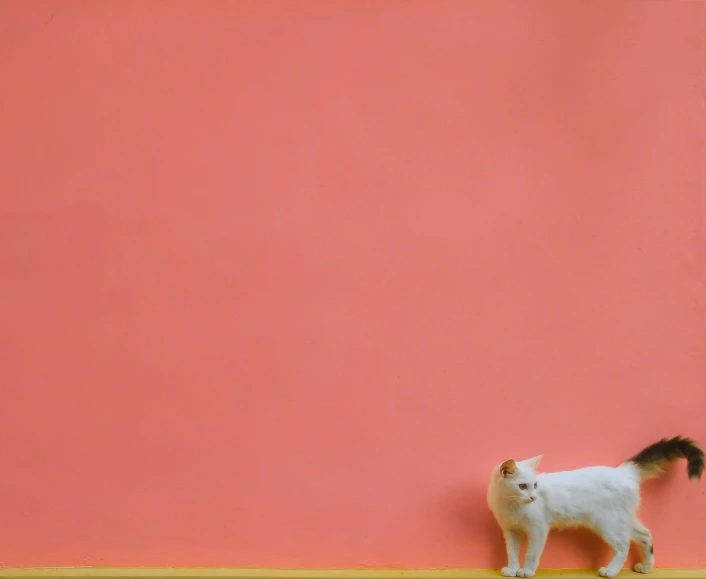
281,281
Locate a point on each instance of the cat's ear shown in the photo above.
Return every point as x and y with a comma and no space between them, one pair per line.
534,461
508,468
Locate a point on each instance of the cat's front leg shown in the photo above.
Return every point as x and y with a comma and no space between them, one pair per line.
513,539
535,546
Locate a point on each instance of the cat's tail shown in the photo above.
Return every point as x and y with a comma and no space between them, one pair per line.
651,461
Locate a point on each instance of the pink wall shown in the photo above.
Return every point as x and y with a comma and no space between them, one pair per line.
283,280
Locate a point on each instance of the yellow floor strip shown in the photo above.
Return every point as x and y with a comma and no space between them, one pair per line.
235,573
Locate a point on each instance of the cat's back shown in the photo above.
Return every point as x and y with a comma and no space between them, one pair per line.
577,497
591,477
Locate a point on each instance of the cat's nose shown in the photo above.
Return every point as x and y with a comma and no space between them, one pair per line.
533,498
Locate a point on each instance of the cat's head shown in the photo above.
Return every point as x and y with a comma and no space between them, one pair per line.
517,481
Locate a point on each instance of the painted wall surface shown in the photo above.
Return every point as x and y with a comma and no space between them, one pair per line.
282,281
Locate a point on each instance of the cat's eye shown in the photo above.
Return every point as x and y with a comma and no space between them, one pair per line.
523,487
535,485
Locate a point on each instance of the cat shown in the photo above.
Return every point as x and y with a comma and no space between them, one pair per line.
601,498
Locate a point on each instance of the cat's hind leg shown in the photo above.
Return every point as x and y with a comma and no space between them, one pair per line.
619,540
643,537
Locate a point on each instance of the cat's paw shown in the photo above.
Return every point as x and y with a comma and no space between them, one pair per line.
509,571
641,568
605,572
524,573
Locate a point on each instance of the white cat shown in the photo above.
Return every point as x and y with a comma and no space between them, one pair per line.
602,498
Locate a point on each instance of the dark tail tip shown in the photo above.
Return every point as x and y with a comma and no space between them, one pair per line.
652,459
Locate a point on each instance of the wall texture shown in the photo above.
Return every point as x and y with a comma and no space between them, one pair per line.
282,281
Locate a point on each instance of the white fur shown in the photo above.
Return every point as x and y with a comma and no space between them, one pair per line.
601,498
